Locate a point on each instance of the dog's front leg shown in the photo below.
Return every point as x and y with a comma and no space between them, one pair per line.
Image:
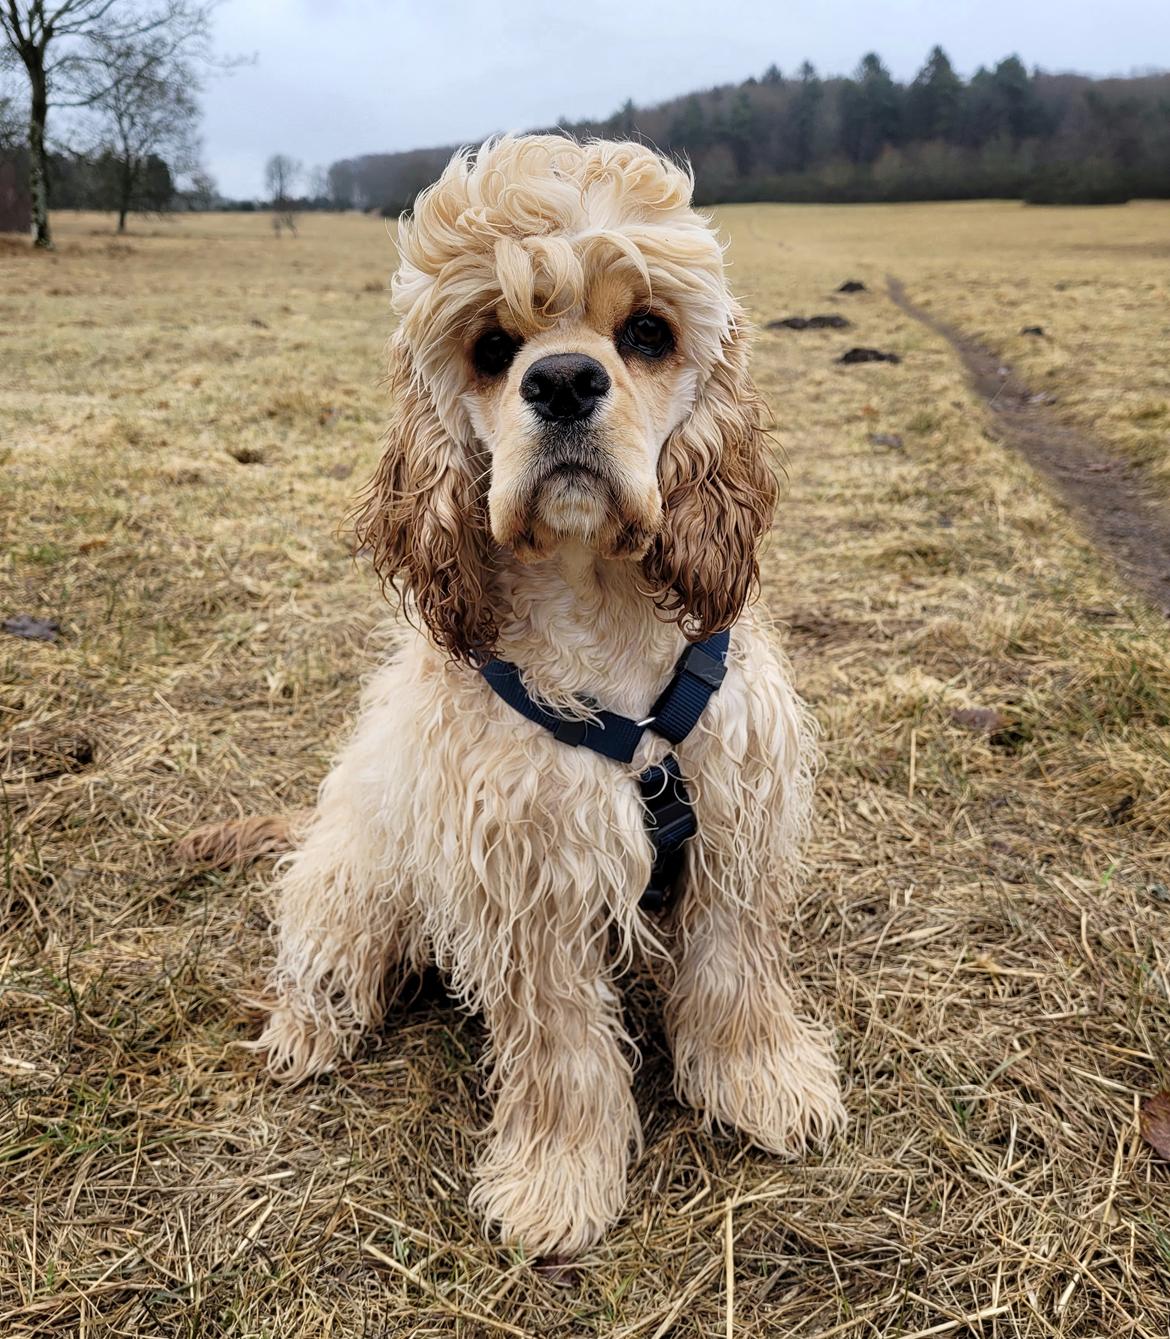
552,1175
743,1055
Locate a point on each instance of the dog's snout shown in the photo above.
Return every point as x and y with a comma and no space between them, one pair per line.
564,387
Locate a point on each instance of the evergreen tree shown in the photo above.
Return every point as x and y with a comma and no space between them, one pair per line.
1020,108
799,141
981,112
934,99
741,132
688,131
156,188
871,111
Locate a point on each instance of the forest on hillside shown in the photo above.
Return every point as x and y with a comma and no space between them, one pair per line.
1006,132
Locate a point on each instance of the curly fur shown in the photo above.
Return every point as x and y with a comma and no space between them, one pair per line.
719,493
451,830
424,520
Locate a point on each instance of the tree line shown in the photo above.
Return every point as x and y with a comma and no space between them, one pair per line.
1005,132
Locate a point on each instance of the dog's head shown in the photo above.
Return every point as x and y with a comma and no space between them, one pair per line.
569,367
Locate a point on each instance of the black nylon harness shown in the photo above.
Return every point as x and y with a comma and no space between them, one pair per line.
669,813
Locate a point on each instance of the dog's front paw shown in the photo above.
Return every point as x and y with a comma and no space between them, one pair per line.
550,1200
782,1091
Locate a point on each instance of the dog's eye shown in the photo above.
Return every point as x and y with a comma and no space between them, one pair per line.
648,335
493,352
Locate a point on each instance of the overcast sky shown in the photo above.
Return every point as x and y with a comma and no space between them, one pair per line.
334,78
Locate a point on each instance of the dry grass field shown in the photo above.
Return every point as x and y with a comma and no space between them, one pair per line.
1096,281
184,415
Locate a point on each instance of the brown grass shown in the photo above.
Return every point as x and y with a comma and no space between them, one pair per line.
988,925
1095,280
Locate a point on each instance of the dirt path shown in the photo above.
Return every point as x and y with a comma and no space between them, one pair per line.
1103,490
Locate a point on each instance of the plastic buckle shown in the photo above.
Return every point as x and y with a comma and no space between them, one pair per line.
703,667
571,732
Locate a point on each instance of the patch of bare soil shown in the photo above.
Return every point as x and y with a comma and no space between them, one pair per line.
1103,490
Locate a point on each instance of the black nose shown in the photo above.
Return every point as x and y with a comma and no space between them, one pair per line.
564,387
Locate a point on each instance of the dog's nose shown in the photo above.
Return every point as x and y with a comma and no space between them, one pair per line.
564,387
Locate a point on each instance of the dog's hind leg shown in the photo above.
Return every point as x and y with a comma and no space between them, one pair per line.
344,919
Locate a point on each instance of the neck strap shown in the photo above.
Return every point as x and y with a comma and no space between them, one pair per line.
697,676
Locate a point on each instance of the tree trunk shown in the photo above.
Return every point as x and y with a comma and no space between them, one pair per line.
38,172
126,192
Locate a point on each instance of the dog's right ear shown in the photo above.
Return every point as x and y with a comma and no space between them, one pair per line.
423,519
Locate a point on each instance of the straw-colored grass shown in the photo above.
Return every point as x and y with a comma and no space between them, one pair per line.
1096,281
183,418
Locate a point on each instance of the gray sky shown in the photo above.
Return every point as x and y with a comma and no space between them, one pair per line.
335,78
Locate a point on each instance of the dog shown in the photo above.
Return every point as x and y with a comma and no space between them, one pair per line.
576,482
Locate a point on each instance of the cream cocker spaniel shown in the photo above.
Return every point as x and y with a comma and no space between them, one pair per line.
576,483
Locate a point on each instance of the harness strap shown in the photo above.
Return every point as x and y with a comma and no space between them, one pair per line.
670,824
697,677
669,813
612,736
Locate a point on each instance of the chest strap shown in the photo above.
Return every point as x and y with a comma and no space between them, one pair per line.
669,813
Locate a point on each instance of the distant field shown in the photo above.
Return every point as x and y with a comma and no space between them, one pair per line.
1096,281
184,416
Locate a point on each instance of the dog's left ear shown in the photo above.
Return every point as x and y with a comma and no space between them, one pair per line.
423,520
718,494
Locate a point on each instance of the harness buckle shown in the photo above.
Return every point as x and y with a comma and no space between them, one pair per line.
669,815
571,732
697,663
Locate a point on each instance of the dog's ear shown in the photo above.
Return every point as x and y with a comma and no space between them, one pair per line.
718,495
423,520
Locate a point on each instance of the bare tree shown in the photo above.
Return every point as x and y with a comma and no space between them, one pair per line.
144,107
55,42
280,177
